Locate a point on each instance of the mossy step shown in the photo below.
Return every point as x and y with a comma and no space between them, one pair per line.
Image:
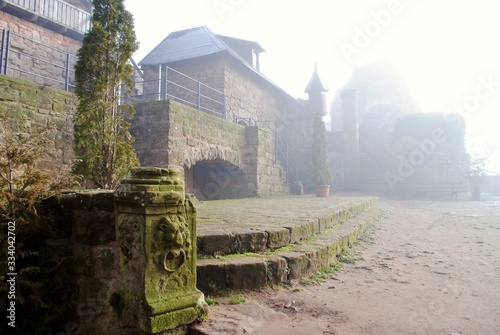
294,261
274,232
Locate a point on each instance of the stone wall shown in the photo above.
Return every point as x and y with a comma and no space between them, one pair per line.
263,167
166,133
42,107
182,85
96,257
199,136
247,94
169,133
86,237
56,51
250,97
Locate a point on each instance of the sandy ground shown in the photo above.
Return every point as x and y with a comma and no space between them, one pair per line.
426,268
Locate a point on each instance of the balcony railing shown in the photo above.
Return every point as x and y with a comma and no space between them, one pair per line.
172,84
56,11
42,63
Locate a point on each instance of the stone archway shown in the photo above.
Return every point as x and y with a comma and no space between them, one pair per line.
216,179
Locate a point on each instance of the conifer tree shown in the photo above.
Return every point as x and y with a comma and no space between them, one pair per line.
103,144
321,172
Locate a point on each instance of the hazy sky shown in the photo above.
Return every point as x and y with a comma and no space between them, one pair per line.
449,51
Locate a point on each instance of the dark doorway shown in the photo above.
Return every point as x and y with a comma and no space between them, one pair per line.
216,179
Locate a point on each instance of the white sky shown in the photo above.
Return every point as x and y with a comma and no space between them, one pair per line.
442,47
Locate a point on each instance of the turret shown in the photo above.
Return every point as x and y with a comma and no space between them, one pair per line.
316,90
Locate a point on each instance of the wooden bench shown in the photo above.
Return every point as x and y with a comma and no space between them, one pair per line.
452,188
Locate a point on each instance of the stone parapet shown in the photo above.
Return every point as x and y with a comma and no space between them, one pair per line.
42,107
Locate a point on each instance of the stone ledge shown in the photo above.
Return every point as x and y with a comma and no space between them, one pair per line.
258,236
254,271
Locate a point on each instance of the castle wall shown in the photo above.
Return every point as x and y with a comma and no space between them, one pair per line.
170,133
42,107
54,48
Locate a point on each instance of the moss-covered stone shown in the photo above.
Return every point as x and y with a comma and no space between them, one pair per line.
278,237
246,273
83,264
248,240
211,276
31,102
217,243
298,264
94,227
276,270
156,236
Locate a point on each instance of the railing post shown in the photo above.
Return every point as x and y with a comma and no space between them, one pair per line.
6,53
37,9
199,97
1,50
66,83
159,82
166,82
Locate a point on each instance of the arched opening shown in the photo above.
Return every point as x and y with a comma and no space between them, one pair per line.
217,179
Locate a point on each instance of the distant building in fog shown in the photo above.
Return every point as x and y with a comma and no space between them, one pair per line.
381,141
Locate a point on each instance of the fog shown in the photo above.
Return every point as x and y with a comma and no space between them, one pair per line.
447,51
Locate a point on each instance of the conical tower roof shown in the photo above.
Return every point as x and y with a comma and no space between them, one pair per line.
315,83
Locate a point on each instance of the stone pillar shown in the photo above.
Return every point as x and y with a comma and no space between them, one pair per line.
156,233
350,139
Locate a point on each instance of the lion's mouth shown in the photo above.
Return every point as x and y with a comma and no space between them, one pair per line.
174,260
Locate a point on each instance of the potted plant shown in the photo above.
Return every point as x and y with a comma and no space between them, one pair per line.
321,173
476,176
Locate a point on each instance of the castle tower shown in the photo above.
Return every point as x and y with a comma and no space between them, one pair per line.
316,90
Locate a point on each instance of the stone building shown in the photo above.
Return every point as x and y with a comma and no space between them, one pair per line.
202,102
257,139
41,38
382,142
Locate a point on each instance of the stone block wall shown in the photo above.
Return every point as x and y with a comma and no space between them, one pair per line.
183,85
264,168
81,243
42,107
170,133
166,133
47,37
247,95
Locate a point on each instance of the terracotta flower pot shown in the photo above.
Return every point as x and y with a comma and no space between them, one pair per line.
322,191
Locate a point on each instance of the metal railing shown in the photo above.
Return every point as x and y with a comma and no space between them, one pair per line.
53,67
33,63
57,11
172,84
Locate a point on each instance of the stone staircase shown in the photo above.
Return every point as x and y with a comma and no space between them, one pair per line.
254,246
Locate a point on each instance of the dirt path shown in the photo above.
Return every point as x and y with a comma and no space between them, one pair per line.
427,268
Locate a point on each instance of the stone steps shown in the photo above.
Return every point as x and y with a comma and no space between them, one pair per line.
316,244
272,231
